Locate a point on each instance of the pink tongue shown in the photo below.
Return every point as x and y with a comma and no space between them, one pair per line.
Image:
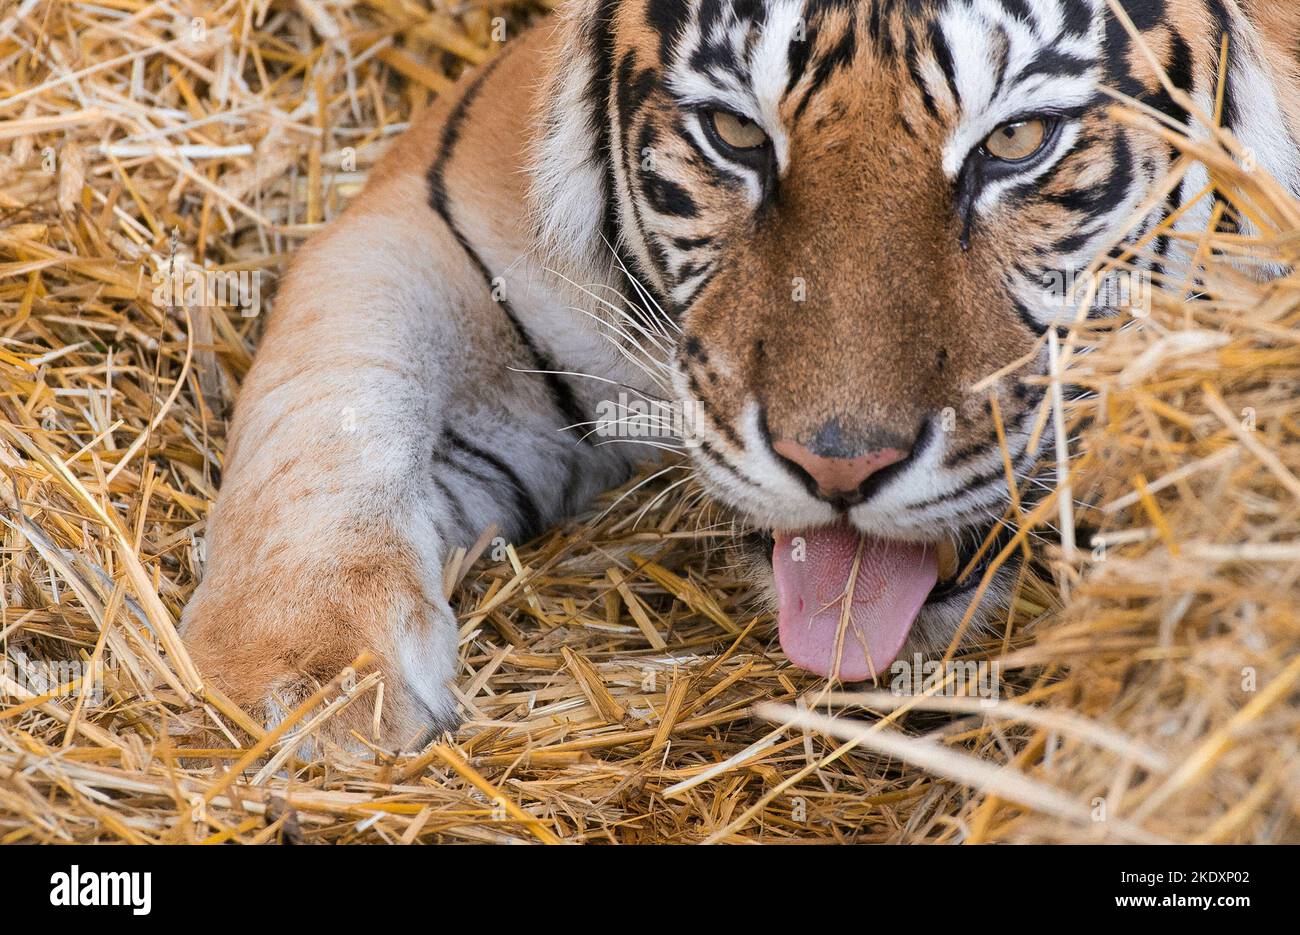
813,569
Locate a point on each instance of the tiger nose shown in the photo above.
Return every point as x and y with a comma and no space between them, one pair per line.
833,474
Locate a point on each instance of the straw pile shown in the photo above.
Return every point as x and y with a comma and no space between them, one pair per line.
617,685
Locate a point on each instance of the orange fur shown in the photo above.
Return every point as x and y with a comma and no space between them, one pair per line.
323,542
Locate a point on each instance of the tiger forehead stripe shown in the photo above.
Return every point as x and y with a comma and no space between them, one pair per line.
753,55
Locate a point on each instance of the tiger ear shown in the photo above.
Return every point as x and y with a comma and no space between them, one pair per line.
568,186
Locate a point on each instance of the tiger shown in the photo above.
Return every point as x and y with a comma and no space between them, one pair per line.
821,227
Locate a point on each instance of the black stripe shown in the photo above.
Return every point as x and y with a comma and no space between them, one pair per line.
599,38
913,68
527,507
1003,53
1019,9
462,519
1029,395
689,300
1224,21
876,26
1055,62
1172,202
840,56
688,271
561,393
1076,18
631,90
967,488
669,19
666,197
797,57
1098,201
1179,69
713,455
1038,328
725,429
1146,14
973,450
943,55
1228,223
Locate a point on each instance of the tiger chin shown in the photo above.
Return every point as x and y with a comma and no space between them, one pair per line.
820,224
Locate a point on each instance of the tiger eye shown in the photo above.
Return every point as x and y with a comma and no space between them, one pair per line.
1013,142
736,131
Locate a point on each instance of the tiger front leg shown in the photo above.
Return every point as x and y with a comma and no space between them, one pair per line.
362,453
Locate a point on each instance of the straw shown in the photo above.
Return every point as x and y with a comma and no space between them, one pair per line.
619,681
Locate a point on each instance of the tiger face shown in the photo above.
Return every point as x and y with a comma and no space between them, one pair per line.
852,211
